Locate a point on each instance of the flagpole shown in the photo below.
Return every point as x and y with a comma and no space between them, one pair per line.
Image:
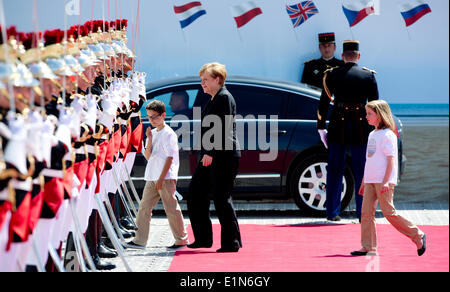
188,52
184,36
239,34
409,35
296,37
351,31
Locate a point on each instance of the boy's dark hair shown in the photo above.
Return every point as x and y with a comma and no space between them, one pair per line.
157,106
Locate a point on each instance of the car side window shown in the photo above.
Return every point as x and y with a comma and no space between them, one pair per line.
256,101
302,107
179,102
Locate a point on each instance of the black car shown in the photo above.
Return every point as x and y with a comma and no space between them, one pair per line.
268,111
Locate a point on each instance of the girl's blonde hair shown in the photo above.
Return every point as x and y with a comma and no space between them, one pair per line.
215,70
383,111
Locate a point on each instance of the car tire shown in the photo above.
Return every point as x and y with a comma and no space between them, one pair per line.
308,185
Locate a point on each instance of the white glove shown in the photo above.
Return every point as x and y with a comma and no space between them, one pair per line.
323,136
15,151
142,91
77,104
91,102
134,96
34,126
65,117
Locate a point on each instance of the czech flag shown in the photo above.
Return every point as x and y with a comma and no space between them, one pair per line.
244,13
189,12
413,11
356,11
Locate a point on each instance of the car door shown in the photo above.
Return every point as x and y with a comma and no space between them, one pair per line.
263,134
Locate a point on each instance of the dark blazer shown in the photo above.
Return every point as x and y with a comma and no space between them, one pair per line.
314,69
221,105
351,87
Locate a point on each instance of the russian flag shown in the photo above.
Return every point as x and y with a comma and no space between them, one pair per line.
189,12
245,12
358,10
413,11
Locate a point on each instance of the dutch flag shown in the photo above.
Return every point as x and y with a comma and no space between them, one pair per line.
189,12
413,11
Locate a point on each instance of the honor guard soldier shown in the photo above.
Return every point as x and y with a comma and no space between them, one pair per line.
351,87
314,69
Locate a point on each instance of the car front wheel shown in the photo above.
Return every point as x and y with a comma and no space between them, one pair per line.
308,185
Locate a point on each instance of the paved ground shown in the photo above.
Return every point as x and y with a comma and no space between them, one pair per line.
157,258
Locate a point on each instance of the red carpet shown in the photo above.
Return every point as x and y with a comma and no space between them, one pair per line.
317,248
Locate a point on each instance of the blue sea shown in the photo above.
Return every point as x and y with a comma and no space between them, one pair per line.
426,114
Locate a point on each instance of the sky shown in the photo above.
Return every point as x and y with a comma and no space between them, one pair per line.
412,64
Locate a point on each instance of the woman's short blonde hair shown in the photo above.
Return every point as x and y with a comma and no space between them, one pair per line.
214,70
383,111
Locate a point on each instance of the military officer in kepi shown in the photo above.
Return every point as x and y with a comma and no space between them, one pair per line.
314,69
352,87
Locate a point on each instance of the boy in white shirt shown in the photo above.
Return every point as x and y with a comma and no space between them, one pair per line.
161,174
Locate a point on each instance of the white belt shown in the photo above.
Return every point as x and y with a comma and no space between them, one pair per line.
22,185
90,149
80,150
134,115
4,195
52,173
123,122
68,156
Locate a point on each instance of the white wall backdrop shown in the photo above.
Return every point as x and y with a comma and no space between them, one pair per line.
412,64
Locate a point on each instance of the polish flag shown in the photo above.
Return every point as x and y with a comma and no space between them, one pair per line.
245,12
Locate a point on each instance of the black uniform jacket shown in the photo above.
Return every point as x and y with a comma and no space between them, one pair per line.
224,107
351,87
314,69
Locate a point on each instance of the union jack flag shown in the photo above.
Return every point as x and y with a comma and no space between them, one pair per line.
300,12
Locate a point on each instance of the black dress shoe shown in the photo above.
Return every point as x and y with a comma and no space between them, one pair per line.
110,245
105,252
358,253
131,244
421,250
126,233
126,223
335,219
102,265
199,245
175,246
362,253
228,249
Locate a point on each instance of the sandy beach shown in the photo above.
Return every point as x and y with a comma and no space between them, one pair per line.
426,177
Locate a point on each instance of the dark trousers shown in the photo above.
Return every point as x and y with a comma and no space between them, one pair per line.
217,179
335,174
94,232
